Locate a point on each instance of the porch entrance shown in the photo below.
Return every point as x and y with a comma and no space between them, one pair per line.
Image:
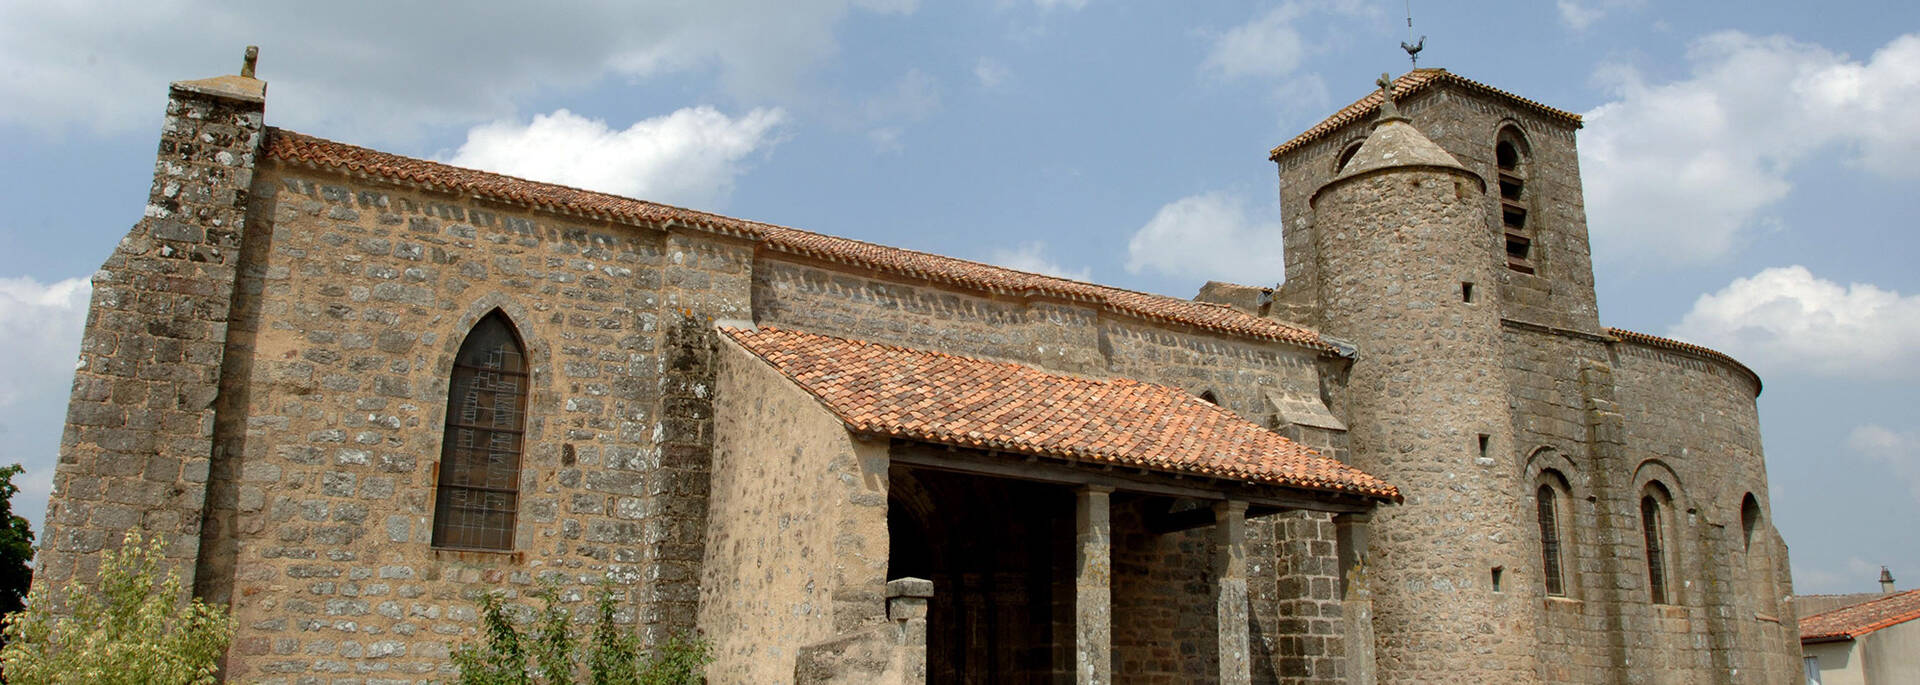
1000,555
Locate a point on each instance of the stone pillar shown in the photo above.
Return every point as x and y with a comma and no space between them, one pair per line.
1230,590
1093,587
907,607
1356,599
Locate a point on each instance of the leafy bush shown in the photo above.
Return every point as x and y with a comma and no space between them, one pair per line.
131,628
549,652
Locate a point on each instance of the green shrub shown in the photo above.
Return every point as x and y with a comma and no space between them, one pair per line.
550,653
131,628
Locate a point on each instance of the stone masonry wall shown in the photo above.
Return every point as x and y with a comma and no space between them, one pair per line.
139,435
798,539
353,299
1164,628
1692,424
1550,425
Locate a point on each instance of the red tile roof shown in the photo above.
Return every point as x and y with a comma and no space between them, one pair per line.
1682,346
1851,622
1408,84
295,148
940,398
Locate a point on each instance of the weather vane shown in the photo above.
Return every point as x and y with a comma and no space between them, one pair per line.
1413,50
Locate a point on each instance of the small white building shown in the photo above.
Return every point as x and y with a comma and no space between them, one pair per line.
1876,642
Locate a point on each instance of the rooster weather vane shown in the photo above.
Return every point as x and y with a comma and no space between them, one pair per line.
1413,50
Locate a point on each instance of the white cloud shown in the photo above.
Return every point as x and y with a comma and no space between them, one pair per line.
914,96
1209,236
1272,44
1580,14
1685,171
1032,257
386,70
990,72
1786,319
40,327
689,157
1898,452
1269,45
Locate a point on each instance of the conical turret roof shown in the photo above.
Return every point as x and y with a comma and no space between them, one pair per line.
1394,142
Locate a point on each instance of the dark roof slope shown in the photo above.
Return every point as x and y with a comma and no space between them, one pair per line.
1408,84
940,398
1851,622
295,148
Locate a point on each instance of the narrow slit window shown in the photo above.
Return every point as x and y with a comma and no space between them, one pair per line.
1650,525
478,493
1545,499
1498,571
1749,519
1466,292
1484,438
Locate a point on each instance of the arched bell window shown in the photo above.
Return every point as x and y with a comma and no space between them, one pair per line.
479,486
1346,156
1511,159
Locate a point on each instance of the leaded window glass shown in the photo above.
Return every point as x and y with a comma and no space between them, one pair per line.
479,486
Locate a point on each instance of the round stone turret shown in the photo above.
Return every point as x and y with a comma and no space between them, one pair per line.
1406,273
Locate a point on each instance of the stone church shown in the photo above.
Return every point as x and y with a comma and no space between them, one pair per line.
354,390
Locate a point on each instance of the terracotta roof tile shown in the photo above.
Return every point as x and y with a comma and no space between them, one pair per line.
1682,346
1408,84
940,398
1851,622
296,148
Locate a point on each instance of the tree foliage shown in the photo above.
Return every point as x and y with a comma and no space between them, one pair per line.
16,546
549,653
133,627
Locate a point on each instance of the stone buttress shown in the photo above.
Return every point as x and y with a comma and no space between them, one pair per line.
139,435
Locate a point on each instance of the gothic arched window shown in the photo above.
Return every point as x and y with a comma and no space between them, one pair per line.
1547,505
1653,527
479,485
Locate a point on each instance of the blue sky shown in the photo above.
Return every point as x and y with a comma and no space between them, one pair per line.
1749,167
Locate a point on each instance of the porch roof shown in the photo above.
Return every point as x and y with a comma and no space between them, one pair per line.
940,398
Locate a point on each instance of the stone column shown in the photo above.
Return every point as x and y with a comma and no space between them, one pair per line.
1093,587
1230,590
907,607
1356,599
